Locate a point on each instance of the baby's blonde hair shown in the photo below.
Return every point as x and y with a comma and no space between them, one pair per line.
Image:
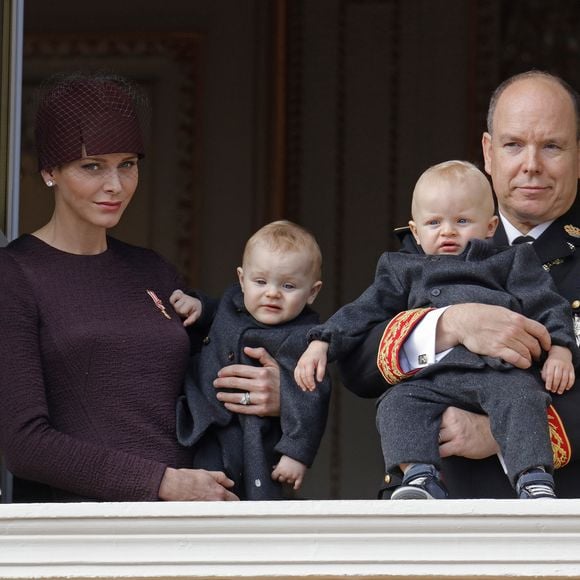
459,172
284,235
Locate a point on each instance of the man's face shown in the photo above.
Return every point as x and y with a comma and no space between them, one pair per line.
533,154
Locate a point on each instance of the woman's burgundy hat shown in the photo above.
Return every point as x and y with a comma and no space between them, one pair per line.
98,113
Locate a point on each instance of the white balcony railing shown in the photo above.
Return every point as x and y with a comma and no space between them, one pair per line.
295,539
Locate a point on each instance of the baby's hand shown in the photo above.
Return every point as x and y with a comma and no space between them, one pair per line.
186,306
312,365
558,371
289,471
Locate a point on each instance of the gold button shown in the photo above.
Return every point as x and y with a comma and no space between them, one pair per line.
575,304
387,478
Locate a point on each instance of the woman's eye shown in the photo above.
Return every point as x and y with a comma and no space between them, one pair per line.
90,166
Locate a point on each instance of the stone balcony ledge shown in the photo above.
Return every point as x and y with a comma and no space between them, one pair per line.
293,539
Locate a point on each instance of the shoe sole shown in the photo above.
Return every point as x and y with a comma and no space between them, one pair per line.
410,492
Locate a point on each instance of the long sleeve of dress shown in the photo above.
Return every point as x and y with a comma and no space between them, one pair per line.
79,408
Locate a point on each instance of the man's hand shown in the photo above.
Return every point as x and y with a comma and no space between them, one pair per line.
262,384
195,485
493,331
466,434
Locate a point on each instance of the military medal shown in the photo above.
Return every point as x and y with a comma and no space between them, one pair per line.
572,231
157,301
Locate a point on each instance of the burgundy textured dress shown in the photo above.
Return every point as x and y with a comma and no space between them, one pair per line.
90,369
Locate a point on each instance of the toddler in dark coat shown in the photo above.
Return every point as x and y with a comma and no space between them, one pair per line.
452,218
270,308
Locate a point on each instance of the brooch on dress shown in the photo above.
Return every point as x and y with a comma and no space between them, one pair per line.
157,301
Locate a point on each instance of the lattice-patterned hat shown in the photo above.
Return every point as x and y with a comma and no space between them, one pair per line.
98,112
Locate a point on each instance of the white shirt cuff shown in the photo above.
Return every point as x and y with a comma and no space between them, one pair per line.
418,351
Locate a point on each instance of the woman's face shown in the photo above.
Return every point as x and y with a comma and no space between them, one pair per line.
95,190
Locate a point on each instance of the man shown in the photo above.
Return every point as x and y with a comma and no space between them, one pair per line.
532,152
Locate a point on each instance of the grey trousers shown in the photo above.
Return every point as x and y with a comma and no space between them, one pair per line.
409,416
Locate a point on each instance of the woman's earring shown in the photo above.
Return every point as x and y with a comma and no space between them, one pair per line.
50,183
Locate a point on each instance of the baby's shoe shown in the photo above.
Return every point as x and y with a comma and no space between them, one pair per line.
421,481
535,484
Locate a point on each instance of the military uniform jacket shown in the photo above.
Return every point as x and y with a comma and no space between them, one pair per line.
250,445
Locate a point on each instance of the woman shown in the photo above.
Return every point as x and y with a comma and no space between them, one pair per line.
94,356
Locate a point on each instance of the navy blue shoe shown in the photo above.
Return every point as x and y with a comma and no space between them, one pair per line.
535,484
421,482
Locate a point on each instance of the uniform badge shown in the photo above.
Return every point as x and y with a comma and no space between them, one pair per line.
572,231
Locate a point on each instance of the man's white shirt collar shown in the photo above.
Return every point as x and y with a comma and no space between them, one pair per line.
512,232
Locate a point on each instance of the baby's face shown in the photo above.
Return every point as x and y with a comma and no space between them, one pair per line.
448,216
277,285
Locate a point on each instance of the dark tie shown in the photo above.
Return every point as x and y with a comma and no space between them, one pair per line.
523,240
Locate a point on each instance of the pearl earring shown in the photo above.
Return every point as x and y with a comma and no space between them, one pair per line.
50,183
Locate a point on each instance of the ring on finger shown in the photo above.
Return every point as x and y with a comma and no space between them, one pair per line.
245,400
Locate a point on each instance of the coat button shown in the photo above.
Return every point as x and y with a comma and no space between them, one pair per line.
575,304
387,478
231,356
206,340
435,292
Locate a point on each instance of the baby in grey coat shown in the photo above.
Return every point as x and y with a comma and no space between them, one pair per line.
270,308
453,215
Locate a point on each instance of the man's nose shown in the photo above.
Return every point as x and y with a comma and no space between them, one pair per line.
532,161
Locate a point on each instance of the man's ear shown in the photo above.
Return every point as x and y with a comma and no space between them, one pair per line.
314,292
240,273
492,226
486,146
413,228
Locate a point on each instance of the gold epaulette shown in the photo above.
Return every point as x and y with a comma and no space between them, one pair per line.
560,444
393,338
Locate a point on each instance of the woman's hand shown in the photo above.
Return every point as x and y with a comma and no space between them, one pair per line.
195,485
262,384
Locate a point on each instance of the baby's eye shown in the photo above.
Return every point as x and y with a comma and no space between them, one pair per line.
433,222
260,282
462,221
288,286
